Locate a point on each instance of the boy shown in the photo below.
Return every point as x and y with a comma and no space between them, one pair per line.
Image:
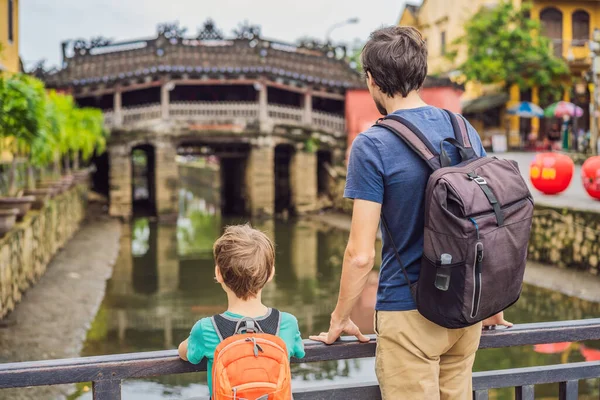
245,263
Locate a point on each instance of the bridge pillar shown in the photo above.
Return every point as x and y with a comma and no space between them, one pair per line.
167,179
303,175
260,181
120,181
117,106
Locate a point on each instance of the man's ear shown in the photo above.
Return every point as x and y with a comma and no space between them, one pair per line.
370,80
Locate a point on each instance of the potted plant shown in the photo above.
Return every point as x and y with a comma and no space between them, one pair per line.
20,116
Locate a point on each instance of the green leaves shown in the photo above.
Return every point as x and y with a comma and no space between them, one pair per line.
504,45
41,125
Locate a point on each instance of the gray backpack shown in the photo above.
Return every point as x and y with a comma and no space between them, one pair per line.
477,221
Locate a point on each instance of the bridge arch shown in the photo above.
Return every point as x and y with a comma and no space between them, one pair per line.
143,179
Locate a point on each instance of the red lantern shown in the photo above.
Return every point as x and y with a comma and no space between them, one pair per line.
551,173
590,174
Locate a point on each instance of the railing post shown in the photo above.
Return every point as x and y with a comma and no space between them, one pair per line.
263,101
107,390
117,106
480,395
307,115
525,392
568,390
165,88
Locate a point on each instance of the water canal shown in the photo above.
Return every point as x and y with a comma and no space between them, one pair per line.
163,283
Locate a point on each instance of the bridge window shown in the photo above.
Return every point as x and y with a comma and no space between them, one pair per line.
581,28
105,102
328,105
284,97
141,97
11,21
552,27
232,93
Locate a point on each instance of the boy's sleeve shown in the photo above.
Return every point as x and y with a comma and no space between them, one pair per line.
196,346
290,333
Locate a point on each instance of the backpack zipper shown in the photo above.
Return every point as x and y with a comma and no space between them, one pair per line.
477,279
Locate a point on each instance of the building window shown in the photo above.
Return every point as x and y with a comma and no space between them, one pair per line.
552,26
11,26
443,43
581,28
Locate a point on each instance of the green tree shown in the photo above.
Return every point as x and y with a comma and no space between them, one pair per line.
504,45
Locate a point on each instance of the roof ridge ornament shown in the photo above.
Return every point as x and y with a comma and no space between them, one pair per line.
209,31
247,31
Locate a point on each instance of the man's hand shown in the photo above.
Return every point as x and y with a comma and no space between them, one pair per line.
497,319
336,329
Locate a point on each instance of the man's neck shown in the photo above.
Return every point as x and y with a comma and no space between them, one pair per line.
413,100
252,307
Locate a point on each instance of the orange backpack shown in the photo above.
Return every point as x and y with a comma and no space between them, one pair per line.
251,362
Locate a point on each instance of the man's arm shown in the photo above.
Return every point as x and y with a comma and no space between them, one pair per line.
358,262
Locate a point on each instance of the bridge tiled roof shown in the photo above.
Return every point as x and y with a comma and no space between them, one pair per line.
206,55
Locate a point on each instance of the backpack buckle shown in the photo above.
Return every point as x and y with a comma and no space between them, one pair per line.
478,180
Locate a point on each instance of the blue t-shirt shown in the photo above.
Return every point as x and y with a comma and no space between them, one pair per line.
383,169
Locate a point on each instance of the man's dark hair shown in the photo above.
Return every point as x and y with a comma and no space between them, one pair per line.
396,58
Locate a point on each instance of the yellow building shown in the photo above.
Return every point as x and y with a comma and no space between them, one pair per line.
9,36
569,23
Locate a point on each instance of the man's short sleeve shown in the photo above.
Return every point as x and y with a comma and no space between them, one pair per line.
365,171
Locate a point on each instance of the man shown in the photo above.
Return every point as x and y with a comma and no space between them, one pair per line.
415,359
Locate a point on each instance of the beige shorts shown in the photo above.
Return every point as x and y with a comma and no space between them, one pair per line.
417,359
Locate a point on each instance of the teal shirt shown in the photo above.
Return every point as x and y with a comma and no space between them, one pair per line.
204,340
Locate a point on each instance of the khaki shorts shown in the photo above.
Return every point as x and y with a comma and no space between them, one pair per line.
417,359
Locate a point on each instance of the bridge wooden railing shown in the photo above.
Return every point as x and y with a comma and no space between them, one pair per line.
225,112
107,372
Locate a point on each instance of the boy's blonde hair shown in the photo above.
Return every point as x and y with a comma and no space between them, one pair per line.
246,258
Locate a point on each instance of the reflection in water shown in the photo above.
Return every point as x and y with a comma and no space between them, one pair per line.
163,283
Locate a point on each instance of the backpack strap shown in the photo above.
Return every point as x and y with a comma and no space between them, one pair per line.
413,138
461,133
226,326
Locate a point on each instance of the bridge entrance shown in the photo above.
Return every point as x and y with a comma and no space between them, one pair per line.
143,179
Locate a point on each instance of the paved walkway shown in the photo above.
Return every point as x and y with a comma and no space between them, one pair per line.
54,316
574,197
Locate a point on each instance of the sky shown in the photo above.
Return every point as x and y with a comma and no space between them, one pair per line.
45,24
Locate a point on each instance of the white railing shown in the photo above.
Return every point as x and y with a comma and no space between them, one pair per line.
285,115
226,112
134,115
213,111
329,122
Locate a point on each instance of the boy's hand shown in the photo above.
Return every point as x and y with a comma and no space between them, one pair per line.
336,329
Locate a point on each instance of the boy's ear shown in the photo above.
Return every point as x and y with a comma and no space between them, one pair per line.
218,276
272,275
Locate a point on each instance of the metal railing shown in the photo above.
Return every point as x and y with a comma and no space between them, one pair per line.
241,113
107,372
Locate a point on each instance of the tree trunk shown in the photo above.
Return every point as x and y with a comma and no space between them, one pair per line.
67,166
76,161
56,166
12,177
30,177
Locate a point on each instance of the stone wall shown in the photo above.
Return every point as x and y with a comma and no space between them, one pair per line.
566,238
28,248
